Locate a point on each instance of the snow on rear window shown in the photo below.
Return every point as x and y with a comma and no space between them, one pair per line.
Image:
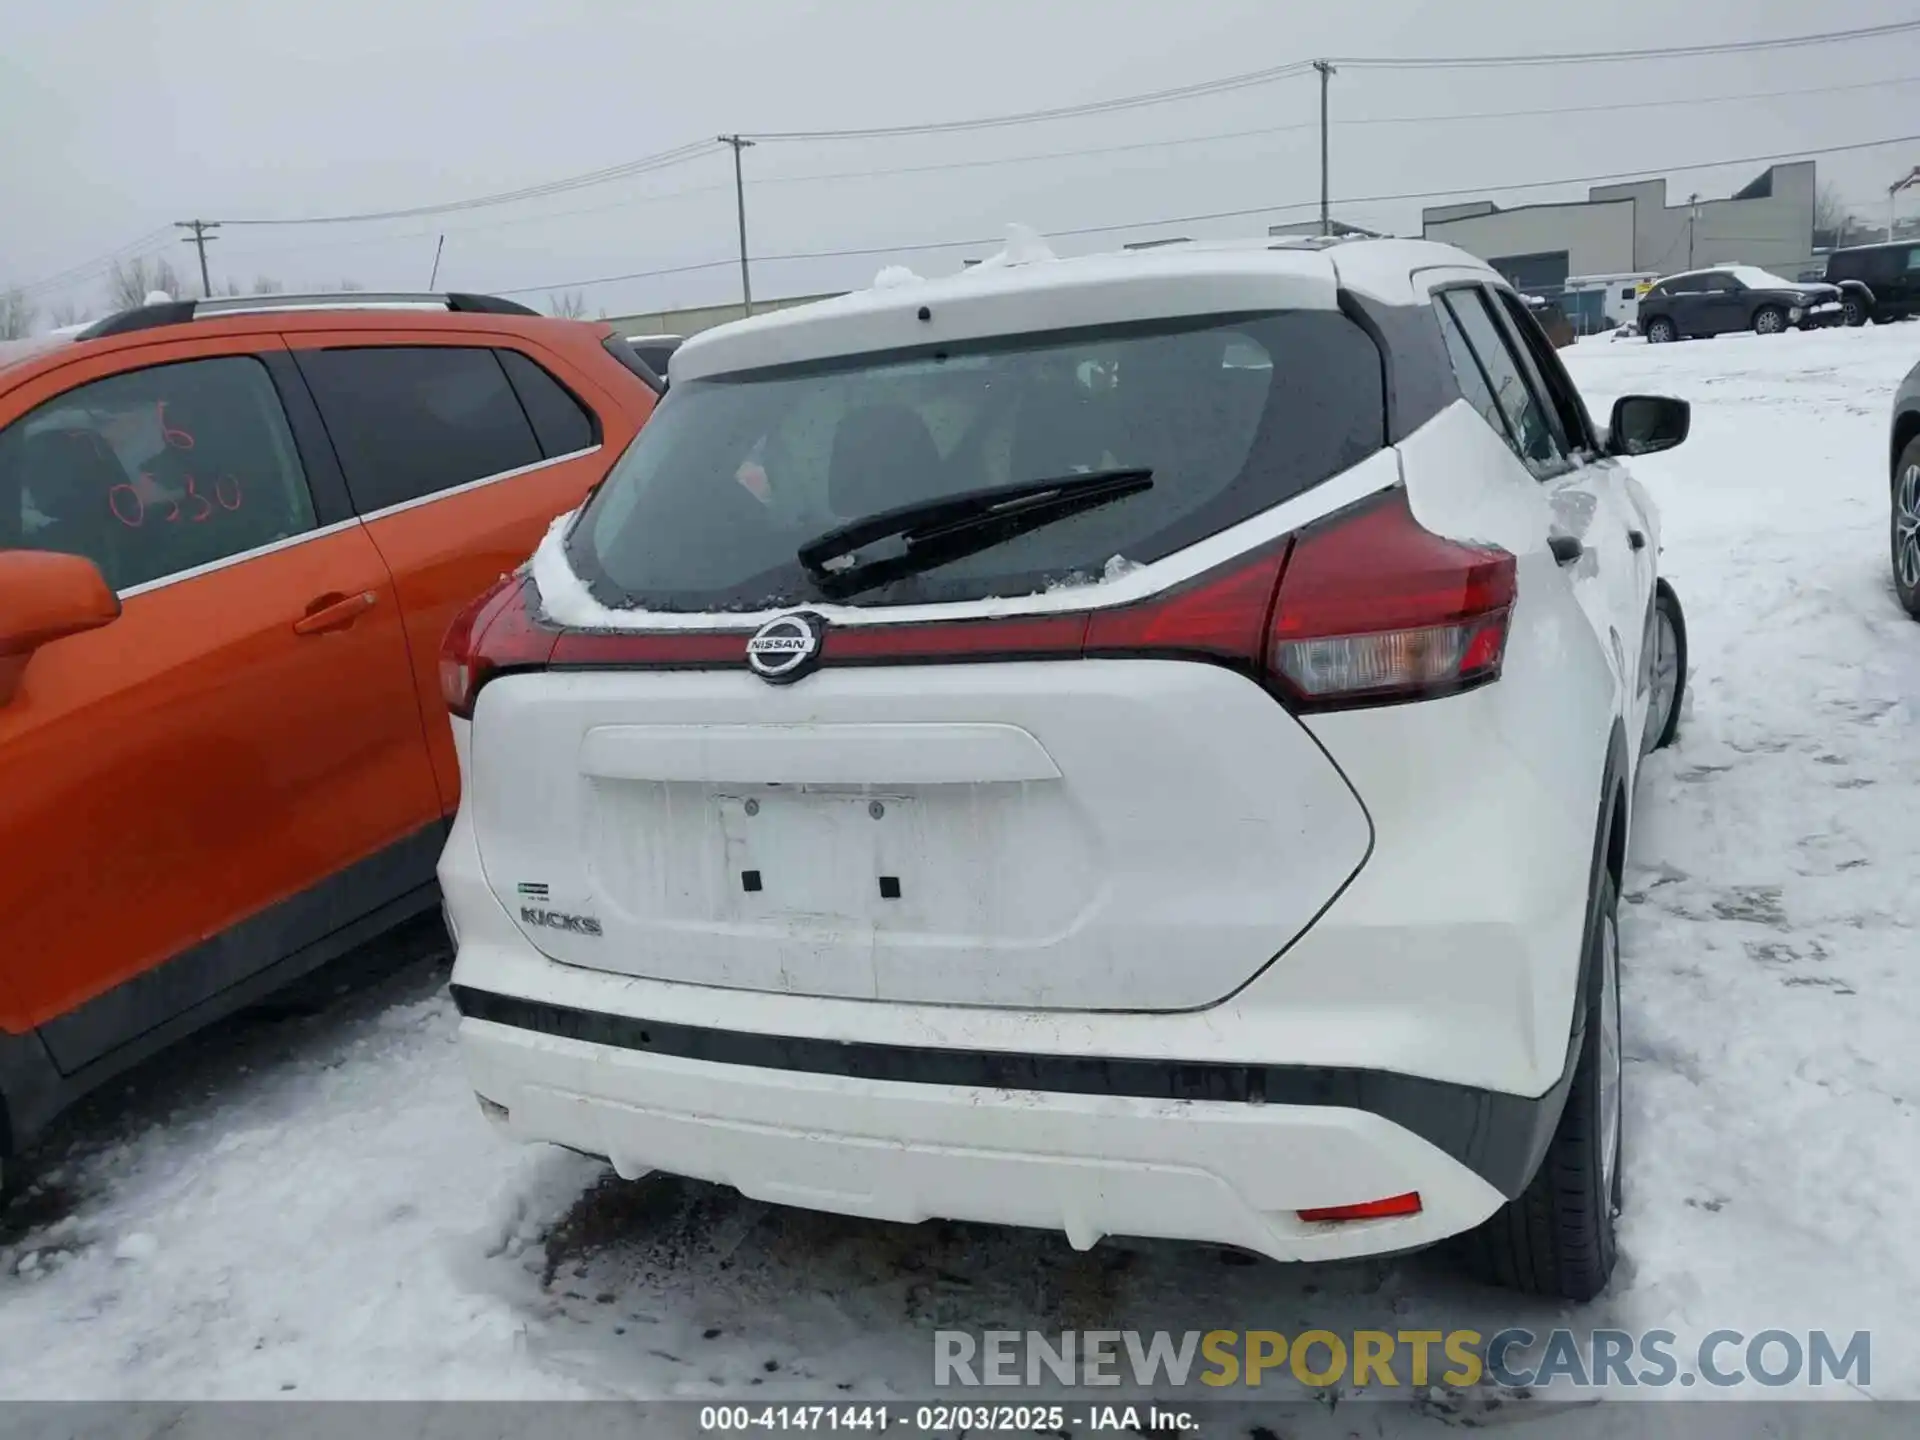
708,508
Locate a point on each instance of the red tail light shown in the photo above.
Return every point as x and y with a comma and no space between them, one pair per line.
1407,1204
1374,608
495,632
1363,608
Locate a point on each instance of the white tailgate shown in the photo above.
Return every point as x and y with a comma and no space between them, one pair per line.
1078,834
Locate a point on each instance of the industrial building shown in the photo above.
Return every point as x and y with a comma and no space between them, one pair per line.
1631,229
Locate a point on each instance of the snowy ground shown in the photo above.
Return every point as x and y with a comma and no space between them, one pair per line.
314,1206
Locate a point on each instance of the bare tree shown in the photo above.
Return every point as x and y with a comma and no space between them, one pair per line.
267,285
131,281
569,306
1831,217
68,312
17,315
337,287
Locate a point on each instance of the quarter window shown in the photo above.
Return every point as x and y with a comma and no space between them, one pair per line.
154,472
1466,369
411,421
560,422
1532,434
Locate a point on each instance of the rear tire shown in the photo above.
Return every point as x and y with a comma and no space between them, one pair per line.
1769,320
1660,331
1557,1238
1903,531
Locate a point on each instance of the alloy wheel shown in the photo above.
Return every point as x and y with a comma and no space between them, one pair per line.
1663,669
1906,529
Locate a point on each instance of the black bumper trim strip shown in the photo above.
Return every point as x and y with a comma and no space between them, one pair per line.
1498,1136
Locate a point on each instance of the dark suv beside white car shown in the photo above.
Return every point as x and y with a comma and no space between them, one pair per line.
1734,297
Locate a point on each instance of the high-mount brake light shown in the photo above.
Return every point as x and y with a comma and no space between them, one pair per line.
1364,607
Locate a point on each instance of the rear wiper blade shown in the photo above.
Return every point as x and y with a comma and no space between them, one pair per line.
936,532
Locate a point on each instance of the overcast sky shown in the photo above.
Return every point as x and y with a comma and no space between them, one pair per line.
120,116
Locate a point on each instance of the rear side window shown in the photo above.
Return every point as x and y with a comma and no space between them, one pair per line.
411,421
1529,430
1913,259
154,472
733,474
1466,369
560,422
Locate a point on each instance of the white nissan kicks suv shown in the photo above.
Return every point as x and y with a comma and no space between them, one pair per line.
1136,745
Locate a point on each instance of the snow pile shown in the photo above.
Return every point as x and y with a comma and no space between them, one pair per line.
894,277
1024,247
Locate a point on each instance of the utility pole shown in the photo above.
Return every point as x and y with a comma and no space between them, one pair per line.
436,261
740,208
1693,214
198,239
1326,74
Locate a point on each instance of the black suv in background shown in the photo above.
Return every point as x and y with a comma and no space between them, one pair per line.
1877,282
1734,297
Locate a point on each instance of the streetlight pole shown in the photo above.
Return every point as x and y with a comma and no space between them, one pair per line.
740,143
1693,215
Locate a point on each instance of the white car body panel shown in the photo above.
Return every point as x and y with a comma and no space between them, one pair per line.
1117,861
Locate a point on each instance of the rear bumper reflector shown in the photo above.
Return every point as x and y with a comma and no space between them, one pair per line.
1407,1204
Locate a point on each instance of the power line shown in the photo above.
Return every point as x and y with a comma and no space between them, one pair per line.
1216,137
1660,52
916,247
646,165
1302,67
88,270
1058,112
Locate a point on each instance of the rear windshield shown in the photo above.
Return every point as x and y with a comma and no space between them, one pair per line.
733,474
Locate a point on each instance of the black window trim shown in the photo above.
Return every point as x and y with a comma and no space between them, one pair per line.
1489,295
1584,447
320,472
595,429
1480,366
1482,292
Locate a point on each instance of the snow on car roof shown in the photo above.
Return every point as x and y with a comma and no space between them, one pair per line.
1754,278
1026,288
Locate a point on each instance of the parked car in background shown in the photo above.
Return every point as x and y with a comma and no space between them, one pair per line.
232,535
1063,793
1733,297
655,351
1904,521
1877,282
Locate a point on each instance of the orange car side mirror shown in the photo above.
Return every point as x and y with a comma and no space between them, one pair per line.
45,597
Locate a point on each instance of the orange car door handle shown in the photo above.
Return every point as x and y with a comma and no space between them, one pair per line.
334,612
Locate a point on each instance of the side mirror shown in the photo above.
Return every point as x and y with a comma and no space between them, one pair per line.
1647,424
45,597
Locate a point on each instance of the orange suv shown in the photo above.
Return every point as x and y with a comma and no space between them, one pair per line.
232,535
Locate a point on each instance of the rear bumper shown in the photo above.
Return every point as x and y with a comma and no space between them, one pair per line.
1224,1172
